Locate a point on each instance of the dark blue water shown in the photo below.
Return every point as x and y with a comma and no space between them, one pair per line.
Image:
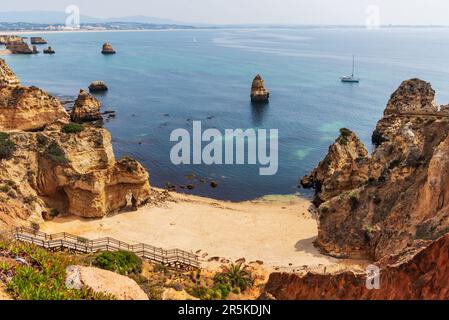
160,81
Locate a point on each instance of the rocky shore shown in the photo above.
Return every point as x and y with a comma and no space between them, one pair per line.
50,165
390,207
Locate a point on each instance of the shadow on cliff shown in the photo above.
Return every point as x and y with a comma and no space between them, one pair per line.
306,245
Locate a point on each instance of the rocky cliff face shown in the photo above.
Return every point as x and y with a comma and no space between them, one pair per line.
86,108
419,273
7,76
377,205
47,168
28,108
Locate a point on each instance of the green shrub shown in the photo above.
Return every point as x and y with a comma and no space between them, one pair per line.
42,140
235,275
72,128
55,153
7,146
45,277
123,262
29,199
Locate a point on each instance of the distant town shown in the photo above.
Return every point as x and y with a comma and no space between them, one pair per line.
27,26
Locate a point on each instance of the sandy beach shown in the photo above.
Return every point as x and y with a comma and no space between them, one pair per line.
278,230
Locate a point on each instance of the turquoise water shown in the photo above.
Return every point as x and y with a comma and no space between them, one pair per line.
160,81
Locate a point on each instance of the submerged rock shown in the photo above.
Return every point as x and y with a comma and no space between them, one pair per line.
258,91
107,49
98,86
86,108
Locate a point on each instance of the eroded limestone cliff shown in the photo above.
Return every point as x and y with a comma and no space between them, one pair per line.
377,205
45,167
390,207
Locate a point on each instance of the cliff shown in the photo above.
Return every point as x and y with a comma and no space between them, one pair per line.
378,205
48,165
421,273
7,76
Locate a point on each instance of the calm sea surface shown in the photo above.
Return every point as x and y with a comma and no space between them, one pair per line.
160,81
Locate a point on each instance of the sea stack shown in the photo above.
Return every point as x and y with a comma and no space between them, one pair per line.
38,40
107,49
86,108
49,50
259,94
98,86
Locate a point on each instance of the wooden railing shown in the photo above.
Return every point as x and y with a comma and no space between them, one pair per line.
59,241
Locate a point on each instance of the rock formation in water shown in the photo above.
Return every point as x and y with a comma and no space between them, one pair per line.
49,50
259,94
44,167
98,86
419,273
20,47
86,108
107,49
38,40
377,205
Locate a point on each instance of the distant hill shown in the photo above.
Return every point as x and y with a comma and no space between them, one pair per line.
59,17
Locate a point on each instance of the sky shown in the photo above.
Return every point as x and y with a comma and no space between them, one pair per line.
335,12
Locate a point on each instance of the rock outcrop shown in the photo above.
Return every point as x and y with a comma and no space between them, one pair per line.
28,108
86,108
418,274
20,47
259,94
7,76
5,39
378,205
107,49
49,50
104,281
44,167
98,86
38,40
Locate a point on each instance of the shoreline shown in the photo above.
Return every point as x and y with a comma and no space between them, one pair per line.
276,230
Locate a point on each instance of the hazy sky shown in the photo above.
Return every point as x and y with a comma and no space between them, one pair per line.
254,11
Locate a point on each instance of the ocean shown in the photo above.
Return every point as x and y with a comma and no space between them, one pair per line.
161,81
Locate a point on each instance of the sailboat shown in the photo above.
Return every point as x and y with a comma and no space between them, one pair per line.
351,78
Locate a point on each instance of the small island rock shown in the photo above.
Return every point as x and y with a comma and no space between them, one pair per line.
98,86
107,49
258,91
49,50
